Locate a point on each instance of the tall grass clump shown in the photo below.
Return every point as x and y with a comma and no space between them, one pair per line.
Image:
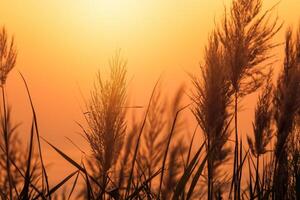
176,149
126,156
262,135
287,105
19,163
14,154
211,101
106,120
154,138
153,141
174,168
19,172
246,34
294,162
8,56
153,156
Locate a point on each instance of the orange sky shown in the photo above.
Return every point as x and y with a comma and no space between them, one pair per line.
62,44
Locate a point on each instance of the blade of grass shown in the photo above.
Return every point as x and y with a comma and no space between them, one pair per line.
250,180
21,173
6,143
138,141
196,177
187,173
133,195
75,164
88,185
74,185
25,191
190,147
59,185
38,135
167,148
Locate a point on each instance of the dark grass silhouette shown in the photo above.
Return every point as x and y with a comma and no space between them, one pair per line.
106,121
262,135
212,100
23,174
246,34
8,57
286,103
152,157
293,149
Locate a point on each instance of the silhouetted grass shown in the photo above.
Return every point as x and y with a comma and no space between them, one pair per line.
286,103
263,134
8,57
246,34
106,120
153,159
212,100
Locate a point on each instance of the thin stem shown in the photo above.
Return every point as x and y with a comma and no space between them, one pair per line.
236,159
257,177
167,148
5,133
209,171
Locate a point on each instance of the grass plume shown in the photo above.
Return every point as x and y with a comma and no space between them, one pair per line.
211,101
287,105
106,118
246,34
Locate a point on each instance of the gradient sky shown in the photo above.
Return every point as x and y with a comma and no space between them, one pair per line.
63,43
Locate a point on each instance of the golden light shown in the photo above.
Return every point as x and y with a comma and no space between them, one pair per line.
62,44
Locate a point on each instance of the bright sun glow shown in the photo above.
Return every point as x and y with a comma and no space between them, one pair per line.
111,17
114,9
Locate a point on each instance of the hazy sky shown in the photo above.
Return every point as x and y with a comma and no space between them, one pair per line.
63,43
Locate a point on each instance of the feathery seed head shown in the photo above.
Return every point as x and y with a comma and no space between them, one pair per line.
8,55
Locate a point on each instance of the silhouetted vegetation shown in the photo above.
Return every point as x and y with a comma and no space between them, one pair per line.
212,100
286,103
152,157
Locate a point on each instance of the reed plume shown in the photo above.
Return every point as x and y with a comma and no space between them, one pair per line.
8,55
287,105
262,129
246,34
262,121
211,99
106,118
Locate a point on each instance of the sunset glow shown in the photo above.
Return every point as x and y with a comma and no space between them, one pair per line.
63,44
